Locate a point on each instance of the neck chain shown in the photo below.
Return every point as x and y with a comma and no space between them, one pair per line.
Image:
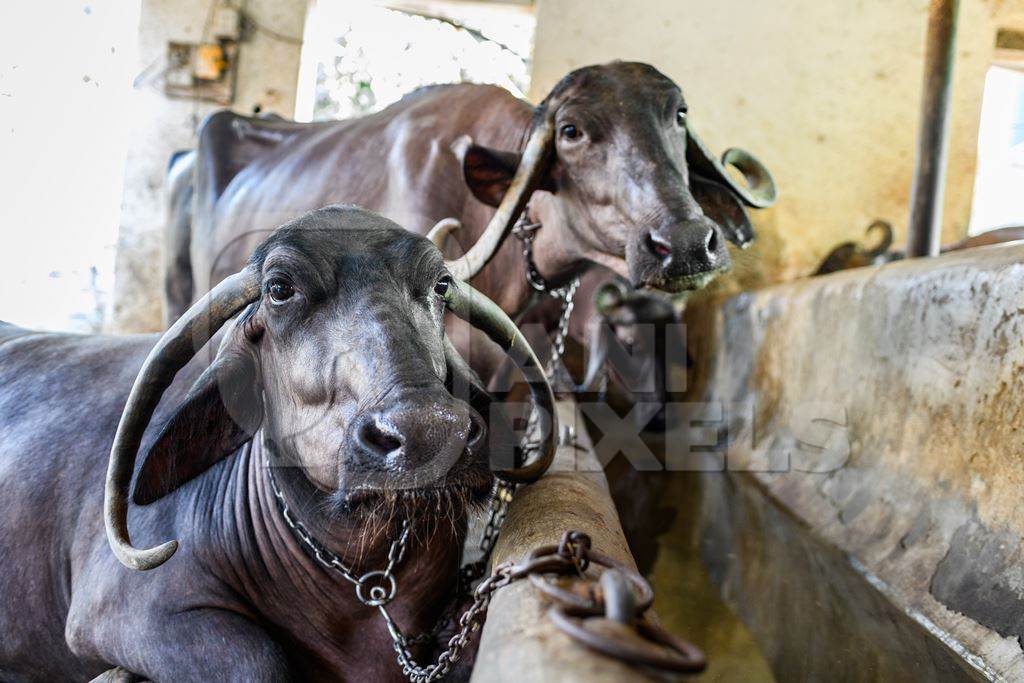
379,587
526,232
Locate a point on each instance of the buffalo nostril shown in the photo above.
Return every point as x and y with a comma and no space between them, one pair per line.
375,440
712,242
658,246
476,431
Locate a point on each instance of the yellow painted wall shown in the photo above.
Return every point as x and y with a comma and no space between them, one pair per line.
825,93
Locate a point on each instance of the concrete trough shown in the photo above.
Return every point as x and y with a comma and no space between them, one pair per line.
862,512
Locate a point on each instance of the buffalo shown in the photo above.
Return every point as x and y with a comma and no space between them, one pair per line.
334,420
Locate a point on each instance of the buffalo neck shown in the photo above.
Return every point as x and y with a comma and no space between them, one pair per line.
313,606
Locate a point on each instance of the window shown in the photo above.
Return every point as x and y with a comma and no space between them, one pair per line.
360,56
999,184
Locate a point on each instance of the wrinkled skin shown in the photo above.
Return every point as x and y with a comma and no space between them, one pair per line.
616,193
349,377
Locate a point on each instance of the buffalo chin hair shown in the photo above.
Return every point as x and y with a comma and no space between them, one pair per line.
380,513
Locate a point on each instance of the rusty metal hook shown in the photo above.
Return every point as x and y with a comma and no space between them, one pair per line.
608,616
592,599
635,642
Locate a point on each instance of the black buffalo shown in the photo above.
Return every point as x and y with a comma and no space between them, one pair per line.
338,362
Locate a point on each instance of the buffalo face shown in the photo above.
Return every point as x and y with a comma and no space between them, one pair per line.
341,363
625,182
368,396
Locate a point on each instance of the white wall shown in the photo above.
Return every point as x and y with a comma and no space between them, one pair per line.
267,75
65,75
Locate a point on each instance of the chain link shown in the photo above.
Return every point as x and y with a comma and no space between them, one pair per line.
571,552
469,621
384,592
562,333
526,232
496,511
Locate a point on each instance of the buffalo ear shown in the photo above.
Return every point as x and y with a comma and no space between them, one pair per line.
488,172
221,412
723,207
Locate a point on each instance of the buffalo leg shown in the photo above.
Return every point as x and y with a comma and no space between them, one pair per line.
192,645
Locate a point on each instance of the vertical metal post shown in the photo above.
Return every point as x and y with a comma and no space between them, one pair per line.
933,137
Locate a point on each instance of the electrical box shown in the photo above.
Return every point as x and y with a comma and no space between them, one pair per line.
201,71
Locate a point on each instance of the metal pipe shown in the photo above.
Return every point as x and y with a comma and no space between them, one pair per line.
933,138
519,643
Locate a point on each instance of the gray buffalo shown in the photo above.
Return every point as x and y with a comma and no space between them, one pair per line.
333,353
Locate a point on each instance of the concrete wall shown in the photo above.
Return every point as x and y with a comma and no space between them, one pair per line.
872,443
825,93
267,76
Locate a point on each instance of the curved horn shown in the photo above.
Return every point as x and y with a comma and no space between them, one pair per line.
528,174
178,345
439,233
484,314
884,228
759,192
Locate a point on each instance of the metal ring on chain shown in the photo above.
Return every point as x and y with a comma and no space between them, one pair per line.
379,594
635,642
526,232
326,558
643,593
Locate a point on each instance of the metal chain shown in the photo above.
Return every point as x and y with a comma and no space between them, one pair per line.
468,623
526,232
496,511
396,554
572,552
568,295
384,591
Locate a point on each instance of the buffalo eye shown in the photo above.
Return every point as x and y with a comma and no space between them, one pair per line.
442,286
570,132
681,117
280,291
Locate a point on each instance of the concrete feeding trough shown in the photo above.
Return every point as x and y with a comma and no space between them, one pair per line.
862,513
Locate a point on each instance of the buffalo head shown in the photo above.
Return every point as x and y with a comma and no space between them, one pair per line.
621,173
339,360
